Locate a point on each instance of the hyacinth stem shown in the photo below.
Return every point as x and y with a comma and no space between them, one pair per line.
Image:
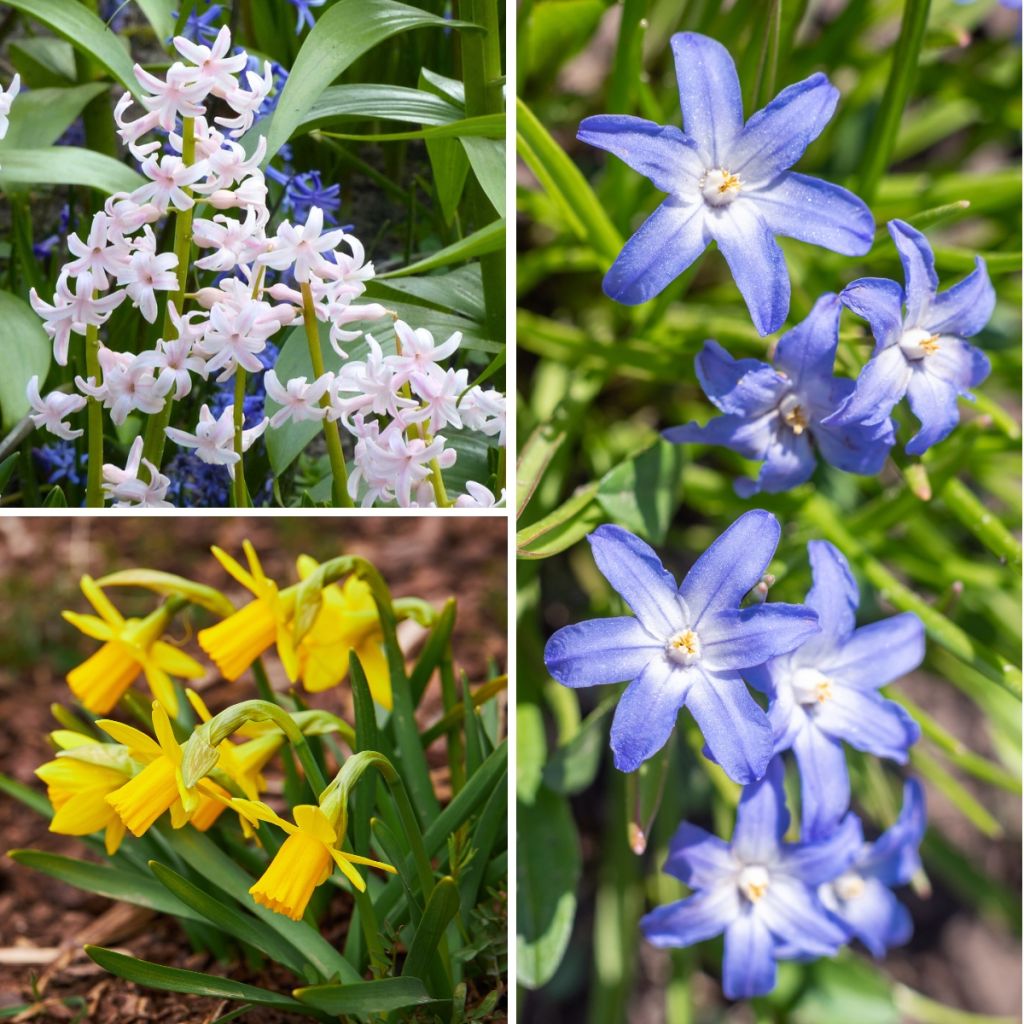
339,486
94,425
436,480
240,491
158,422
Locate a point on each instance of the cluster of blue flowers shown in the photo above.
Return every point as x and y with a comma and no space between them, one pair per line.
697,646
730,181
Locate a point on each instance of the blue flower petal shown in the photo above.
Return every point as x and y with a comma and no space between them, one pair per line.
855,447
731,566
918,270
817,212
878,653
880,302
701,916
824,857
611,650
636,572
646,713
709,93
881,384
775,138
934,402
794,915
756,262
788,462
751,438
748,963
697,857
877,918
746,387
807,353
965,308
893,857
833,594
738,638
824,781
761,817
661,153
662,248
868,722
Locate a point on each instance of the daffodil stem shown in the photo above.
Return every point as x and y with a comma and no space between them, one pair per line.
94,424
153,448
339,484
371,930
241,492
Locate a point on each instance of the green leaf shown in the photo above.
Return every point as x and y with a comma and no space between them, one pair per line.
490,127
366,997
86,32
31,798
846,991
433,650
561,528
175,979
487,159
459,290
489,238
161,15
55,498
169,584
642,493
67,165
27,353
242,926
343,33
489,827
44,61
441,909
548,866
573,766
114,882
41,116
471,461
359,102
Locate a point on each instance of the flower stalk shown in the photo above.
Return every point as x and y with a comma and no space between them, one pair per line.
94,466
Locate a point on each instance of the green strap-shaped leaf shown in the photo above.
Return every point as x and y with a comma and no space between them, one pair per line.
27,353
86,32
344,32
367,997
441,908
358,102
67,165
489,238
175,979
41,116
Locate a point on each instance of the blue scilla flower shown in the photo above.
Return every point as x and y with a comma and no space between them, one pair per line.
825,692
197,484
202,28
60,463
729,182
304,191
305,14
919,334
775,413
686,646
862,898
757,890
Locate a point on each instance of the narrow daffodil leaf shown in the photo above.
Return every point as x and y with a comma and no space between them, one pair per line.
367,997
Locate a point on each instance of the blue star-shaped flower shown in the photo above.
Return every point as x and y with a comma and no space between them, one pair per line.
825,692
305,14
862,898
919,352
686,645
757,890
729,182
775,413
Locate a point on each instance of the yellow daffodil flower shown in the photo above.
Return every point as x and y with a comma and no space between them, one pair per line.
347,621
78,789
130,646
159,786
236,642
305,861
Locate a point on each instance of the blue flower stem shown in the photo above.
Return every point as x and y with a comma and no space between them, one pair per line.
94,424
241,492
157,424
339,483
897,93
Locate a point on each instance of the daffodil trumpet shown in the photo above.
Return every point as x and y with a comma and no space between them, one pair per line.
130,647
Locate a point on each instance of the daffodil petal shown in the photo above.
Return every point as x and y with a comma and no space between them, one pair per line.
161,687
378,675
165,734
311,819
198,704
98,599
356,859
177,662
90,625
235,570
141,745
348,871
256,811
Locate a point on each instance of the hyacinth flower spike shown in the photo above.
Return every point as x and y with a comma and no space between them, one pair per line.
825,692
236,642
130,647
729,182
919,333
862,897
306,859
686,646
776,413
347,621
757,890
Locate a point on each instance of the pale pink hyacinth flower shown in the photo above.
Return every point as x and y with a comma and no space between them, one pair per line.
369,383
301,249
169,177
417,351
176,95
245,102
236,337
73,311
126,488
299,401
214,438
174,362
214,69
146,274
440,390
6,102
234,241
99,253
51,411
483,410
128,385
478,496
402,461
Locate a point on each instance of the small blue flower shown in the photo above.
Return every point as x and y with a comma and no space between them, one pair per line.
919,352
825,692
305,191
862,898
759,891
730,183
305,14
61,463
686,646
202,28
775,413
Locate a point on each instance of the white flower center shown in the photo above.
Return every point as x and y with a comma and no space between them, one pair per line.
849,886
753,882
793,415
719,187
917,343
683,648
811,687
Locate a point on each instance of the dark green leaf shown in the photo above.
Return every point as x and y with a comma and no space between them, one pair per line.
67,165
642,493
367,997
27,353
441,909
